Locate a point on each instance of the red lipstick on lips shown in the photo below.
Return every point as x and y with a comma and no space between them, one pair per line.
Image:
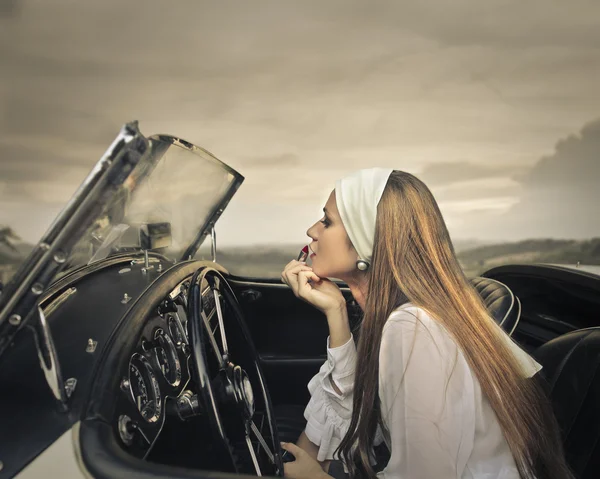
303,254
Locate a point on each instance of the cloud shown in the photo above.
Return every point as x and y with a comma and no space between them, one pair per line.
481,189
437,173
574,164
294,95
20,164
506,23
559,196
285,160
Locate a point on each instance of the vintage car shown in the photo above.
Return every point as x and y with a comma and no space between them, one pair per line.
123,356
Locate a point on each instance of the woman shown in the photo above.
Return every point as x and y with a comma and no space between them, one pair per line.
433,376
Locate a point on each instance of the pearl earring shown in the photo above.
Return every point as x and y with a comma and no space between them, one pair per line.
362,265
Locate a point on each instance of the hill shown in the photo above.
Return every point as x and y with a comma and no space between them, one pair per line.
268,261
477,260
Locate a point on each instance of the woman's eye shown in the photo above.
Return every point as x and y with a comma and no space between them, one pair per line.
325,222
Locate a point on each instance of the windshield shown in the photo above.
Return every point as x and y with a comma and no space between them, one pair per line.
168,204
145,193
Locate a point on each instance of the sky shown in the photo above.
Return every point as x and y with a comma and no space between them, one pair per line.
494,105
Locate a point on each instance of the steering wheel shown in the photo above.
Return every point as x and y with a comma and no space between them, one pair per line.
229,374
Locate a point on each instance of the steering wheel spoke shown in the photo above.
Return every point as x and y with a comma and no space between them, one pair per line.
221,324
211,337
239,392
262,442
253,455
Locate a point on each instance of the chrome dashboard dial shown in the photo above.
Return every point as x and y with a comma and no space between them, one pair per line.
176,330
144,388
165,356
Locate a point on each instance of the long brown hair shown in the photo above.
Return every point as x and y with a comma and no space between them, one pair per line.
414,260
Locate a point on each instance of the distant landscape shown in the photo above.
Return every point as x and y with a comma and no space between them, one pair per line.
267,261
474,257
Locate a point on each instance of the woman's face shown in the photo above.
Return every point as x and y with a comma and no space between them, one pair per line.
335,257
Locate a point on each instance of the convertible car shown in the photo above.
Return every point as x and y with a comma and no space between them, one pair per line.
121,355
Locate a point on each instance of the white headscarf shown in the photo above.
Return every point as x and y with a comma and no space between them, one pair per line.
357,197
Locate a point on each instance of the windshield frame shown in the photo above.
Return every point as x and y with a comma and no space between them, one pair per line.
218,209
19,300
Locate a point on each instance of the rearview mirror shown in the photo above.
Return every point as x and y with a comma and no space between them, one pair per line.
155,236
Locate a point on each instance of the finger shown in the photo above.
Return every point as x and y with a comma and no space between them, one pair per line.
288,274
291,447
295,269
303,277
293,263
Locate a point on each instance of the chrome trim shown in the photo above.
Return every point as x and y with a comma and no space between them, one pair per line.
213,341
262,441
253,455
59,301
159,334
213,244
153,387
173,318
49,358
33,276
178,290
217,295
70,385
143,261
125,435
91,346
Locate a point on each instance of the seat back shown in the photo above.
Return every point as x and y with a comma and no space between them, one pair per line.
500,301
571,366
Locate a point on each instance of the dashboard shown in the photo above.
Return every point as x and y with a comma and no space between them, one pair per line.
155,383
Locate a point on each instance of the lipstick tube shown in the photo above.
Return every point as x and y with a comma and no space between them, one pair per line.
303,254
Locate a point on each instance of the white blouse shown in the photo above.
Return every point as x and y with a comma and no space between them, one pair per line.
440,425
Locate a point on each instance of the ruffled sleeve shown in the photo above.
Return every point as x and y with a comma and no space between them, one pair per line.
328,412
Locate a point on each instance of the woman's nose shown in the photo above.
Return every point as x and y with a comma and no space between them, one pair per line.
311,232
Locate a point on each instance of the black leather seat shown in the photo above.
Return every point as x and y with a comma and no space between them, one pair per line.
500,301
571,366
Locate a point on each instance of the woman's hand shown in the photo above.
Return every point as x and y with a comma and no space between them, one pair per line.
304,467
322,293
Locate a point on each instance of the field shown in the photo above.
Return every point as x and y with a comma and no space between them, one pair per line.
267,261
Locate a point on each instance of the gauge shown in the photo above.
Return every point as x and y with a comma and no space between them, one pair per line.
176,330
144,388
166,358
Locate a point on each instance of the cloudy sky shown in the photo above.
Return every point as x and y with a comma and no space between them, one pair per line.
495,104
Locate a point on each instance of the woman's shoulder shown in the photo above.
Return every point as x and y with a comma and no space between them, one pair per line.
409,314
409,319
